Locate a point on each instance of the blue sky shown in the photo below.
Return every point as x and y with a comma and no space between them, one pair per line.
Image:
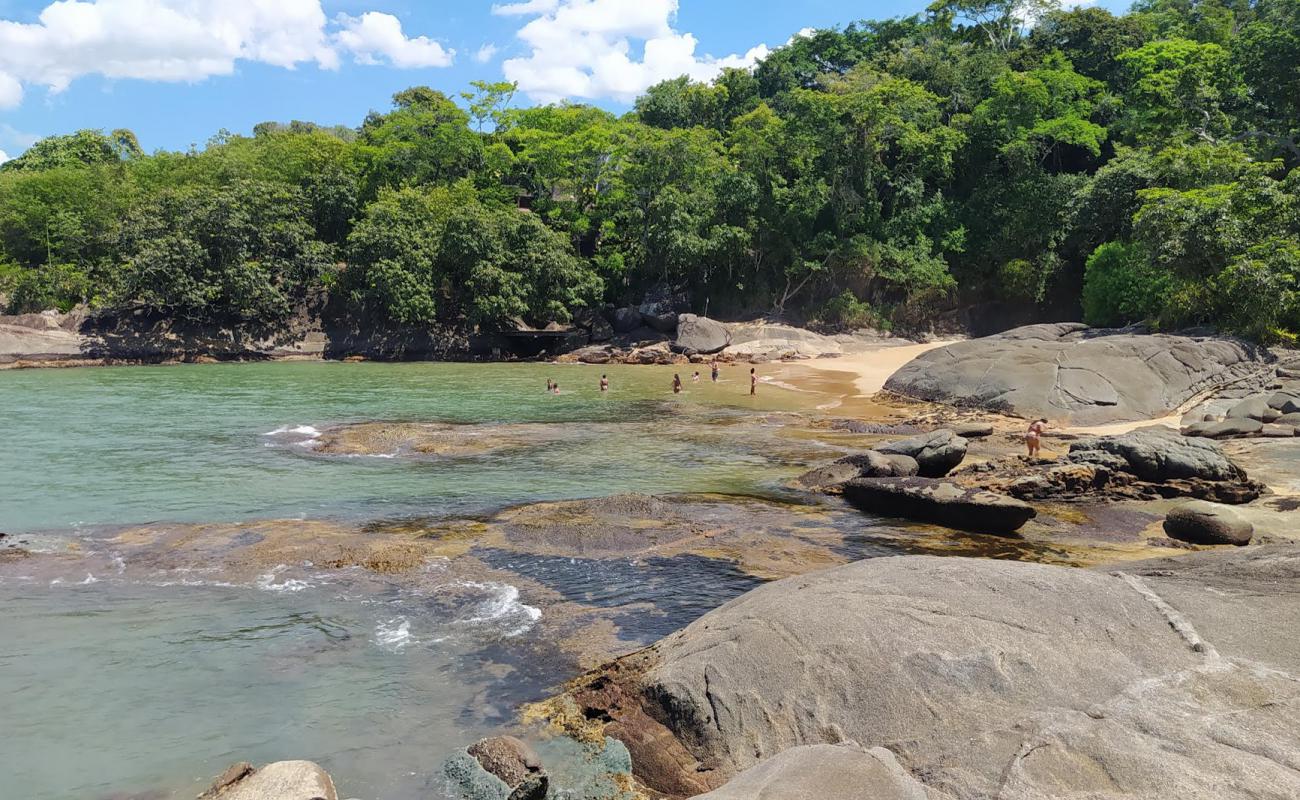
177,71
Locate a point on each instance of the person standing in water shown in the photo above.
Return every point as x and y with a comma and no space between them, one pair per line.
753,381
1035,435
677,383
555,388
550,385
714,369
696,377
604,383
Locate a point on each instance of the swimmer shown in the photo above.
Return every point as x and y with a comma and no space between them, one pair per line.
677,383
714,368
753,381
696,377
604,383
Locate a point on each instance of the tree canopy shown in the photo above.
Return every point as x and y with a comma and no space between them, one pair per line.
1140,167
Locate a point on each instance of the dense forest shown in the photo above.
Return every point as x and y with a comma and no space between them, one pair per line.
1143,167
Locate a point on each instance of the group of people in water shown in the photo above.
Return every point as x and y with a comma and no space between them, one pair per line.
715,373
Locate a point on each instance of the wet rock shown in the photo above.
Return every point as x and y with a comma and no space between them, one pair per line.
941,503
828,477
282,780
825,771
1200,522
1231,428
515,763
700,335
937,453
1087,376
861,426
973,430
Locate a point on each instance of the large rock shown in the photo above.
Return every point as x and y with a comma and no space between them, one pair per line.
625,320
826,772
282,780
873,464
1200,522
986,679
941,503
1158,454
1073,373
515,763
700,335
937,453
1255,407
1229,429
829,476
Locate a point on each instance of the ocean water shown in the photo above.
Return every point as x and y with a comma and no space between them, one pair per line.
137,681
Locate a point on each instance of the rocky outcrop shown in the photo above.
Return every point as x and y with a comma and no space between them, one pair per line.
984,678
873,464
937,453
700,335
941,503
1158,454
282,780
823,772
515,763
1200,522
1085,376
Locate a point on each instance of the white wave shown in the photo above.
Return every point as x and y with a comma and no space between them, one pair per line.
119,562
394,634
268,582
301,430
503,607
89,580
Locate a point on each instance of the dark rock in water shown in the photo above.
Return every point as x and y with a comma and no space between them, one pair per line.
1158,454
1200,522
825,772
625,320
973,430
700,335
1087,376
859,426
937,453
508,758
941,503
1232,428
282,780
829,476
873,464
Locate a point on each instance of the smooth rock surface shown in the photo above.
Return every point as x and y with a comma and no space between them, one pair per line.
873,464
826,772
1158,454
1001,679
700,335
1199,522
1231,428
282,780
1072,373
926,500
937,453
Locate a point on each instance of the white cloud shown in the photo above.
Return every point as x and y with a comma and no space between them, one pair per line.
485,53
189,40
373,37
3,156
584,49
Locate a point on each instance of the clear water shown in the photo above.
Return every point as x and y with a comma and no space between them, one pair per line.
86,447
136,683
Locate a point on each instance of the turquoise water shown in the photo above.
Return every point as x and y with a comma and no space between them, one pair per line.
92,447
141,680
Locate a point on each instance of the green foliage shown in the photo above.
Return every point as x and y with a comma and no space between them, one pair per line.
1135,166
1120,286
845,311
57,286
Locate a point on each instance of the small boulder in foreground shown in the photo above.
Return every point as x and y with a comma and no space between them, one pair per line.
282,780
1201,522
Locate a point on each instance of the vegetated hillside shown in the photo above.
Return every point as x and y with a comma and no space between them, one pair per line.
1136,167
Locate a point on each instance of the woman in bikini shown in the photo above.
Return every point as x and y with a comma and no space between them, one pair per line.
1035,435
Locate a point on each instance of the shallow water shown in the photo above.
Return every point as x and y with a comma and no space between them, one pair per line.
134,679
88,447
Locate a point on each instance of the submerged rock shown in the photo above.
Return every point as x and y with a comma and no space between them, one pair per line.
1200,522
946,504
1087,376
282,780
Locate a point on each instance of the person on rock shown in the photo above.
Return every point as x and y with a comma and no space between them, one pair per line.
1034,438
